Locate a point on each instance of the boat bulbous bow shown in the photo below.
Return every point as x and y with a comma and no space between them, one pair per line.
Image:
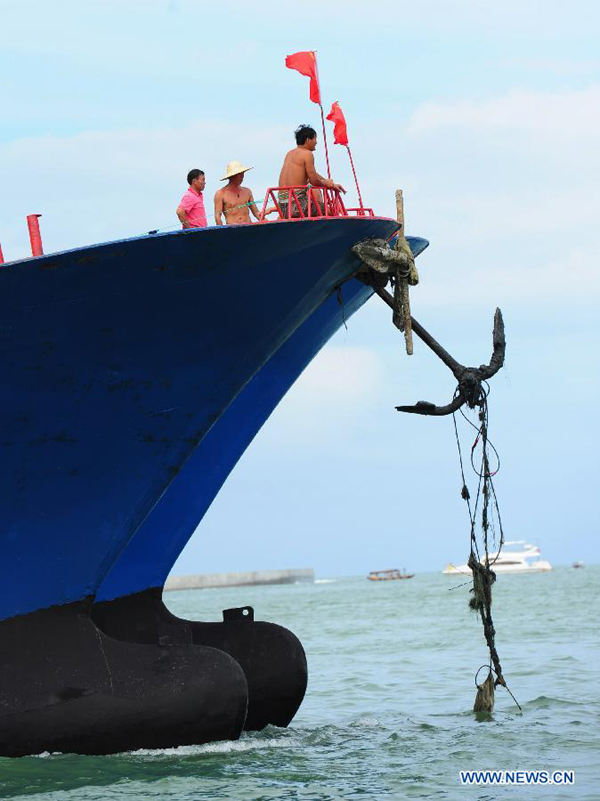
66,686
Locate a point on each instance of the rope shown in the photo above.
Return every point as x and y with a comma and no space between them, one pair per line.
340,300
239,206
483,575
472,391
208,217
248,204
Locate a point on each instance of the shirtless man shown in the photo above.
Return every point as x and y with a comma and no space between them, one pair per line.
233,200
299,169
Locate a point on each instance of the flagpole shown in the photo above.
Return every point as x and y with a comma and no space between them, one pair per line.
322,117
355,178
325,140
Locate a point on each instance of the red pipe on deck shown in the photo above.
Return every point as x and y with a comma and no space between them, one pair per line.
34,235
1,256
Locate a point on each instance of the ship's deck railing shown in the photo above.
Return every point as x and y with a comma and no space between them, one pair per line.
307,202
301,202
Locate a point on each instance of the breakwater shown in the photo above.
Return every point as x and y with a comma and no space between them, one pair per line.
247,578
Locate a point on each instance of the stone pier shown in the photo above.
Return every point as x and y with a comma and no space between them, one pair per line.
250,578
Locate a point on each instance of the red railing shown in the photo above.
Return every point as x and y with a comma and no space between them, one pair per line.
307,202
361,212
35,237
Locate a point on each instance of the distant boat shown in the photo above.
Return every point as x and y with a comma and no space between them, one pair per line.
578,564
517,556
389,575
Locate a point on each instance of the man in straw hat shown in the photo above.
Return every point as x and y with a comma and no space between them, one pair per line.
233,200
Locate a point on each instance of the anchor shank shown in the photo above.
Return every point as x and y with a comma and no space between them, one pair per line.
450,362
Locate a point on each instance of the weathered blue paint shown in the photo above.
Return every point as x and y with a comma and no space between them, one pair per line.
117,360
152,551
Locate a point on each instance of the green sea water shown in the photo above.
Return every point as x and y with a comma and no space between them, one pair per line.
387,711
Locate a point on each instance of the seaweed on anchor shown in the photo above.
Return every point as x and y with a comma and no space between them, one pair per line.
382,264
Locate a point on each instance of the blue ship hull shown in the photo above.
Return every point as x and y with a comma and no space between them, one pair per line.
133,368
118,360
149,556
129,602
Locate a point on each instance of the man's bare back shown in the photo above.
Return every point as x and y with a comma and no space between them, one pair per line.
299,164
295,170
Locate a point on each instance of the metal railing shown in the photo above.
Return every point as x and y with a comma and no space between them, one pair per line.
301,202
35,237
307,202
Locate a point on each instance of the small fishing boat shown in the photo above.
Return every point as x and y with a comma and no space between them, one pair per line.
517,556
389,575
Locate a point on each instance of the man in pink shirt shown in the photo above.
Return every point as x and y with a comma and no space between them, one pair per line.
191,209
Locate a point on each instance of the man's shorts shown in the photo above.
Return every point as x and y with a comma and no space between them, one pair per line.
316,207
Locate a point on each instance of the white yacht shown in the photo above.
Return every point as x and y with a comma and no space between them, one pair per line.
517,556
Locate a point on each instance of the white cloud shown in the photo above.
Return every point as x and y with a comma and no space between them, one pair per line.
572,276
557,65
556,115
319,412
339,377
101,185
507,190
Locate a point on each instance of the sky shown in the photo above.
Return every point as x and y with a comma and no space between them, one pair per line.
486,115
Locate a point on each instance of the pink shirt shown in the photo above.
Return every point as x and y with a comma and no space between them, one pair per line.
193,205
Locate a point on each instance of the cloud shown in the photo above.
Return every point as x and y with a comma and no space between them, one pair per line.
507,190
556,65
570,277
320,411
97,186
341,377
555,115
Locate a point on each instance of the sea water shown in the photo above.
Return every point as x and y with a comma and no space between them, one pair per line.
388,708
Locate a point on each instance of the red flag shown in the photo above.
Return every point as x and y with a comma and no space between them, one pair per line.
306,64
340,134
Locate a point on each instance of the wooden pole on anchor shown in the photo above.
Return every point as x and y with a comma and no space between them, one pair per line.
405,299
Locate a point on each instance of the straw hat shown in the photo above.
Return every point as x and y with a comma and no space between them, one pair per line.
235,168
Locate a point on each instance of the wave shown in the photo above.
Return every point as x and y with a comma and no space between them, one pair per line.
247,743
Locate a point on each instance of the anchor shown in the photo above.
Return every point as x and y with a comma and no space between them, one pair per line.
382,264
